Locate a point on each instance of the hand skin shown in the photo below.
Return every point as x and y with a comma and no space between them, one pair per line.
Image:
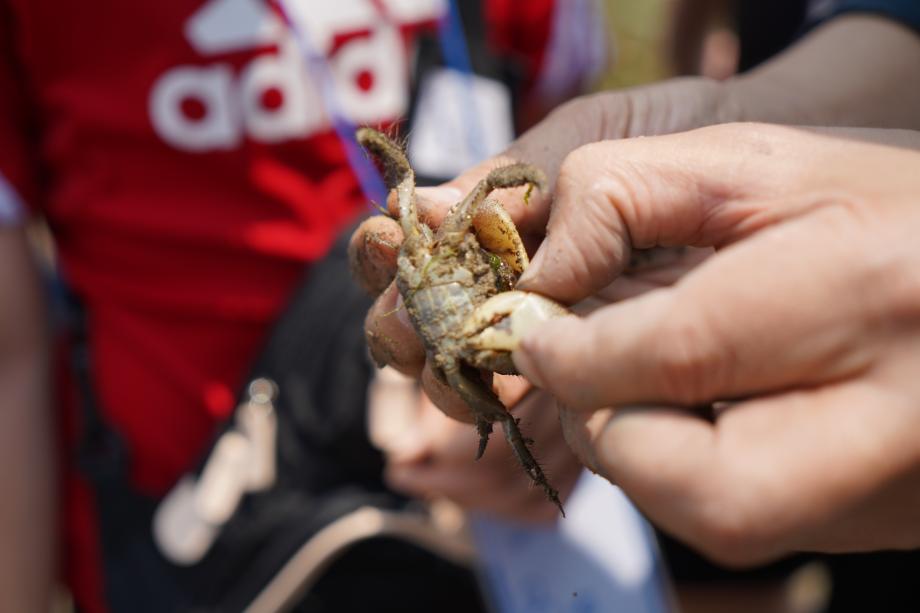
431,456
804,328
783,90
842,73
27,476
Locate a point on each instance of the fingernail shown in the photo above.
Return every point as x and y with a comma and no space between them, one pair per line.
381,249
532,273
526,366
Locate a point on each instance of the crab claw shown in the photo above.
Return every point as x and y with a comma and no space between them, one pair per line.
496,327
497,234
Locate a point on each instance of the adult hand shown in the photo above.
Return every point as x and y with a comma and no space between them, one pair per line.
438,463
822,80
675,105
803,328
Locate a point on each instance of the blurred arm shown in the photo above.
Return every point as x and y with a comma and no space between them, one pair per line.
856,70
27,480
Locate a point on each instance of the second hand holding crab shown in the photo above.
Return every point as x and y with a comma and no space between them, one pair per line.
456,284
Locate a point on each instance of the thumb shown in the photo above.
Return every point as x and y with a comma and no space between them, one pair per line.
751,319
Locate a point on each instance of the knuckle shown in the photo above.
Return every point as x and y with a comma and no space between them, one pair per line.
747,133
608,183
755,139
579,162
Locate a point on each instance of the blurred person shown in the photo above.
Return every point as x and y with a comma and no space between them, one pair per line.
185,161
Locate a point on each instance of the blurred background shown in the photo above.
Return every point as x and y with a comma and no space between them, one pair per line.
647,41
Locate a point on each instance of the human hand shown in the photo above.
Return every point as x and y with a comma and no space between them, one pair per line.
430,456
674,105
440,464
803,328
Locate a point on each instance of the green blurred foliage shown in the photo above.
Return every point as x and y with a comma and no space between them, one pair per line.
640,30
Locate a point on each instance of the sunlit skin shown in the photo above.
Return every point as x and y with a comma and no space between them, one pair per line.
824,79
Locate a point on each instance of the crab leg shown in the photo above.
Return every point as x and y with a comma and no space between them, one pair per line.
488,409
399,176
531,466
460,218
485,405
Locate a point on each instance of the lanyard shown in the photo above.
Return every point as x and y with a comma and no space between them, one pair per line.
456,56
368,177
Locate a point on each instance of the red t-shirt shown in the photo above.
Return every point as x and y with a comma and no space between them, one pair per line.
182,156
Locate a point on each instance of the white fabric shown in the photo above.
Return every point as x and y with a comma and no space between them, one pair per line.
461,120
600,557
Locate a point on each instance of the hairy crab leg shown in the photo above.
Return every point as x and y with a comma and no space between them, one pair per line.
488,408
399,176
531,466
458,221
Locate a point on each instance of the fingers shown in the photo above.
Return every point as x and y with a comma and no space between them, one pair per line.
441,464
392,410
374,246
372,252
445,398
569,126
432,202
509,497
750,319
701,188
511,391
791,471
390,337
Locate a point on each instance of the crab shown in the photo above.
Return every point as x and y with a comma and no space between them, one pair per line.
457,287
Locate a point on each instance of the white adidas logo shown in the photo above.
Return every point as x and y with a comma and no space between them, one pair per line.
271,99
223,26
